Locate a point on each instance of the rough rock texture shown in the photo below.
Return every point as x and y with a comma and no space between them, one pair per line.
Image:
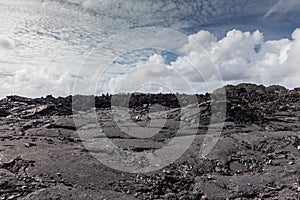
257,155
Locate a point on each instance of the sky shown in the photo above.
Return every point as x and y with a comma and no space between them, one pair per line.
64,47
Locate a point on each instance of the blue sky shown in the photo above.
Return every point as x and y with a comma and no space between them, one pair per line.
48,45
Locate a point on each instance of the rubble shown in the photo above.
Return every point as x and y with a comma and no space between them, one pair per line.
257,155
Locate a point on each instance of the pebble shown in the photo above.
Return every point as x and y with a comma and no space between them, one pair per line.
30,144
269,162
291,163
210,177
170,196
204,197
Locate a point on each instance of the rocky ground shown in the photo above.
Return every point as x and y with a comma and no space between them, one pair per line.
257,156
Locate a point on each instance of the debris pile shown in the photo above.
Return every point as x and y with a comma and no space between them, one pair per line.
257,155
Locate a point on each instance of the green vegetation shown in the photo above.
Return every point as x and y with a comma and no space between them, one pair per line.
250,87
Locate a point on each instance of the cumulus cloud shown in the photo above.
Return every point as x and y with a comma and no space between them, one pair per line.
239,57
32,54
32,81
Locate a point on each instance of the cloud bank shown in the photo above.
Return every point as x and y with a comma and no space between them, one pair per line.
239,56
180,15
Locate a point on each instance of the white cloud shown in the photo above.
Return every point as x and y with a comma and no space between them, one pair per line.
33,54
33,81
152,76
283,6
170,13
6,43
239,56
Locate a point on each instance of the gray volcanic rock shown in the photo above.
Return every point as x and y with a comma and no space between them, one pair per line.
66,192
257,156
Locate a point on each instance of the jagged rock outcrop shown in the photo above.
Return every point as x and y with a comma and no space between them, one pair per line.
257,156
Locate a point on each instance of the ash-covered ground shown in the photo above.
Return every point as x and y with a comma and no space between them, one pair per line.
257,155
